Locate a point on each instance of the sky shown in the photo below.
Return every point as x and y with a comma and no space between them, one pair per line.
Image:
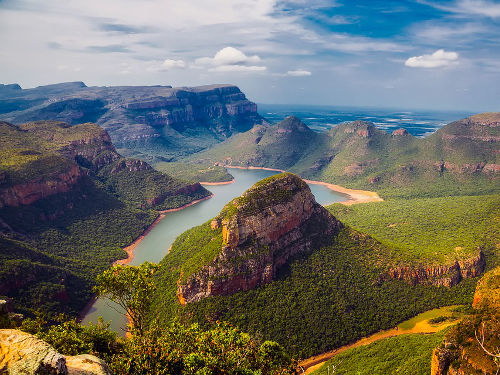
395,54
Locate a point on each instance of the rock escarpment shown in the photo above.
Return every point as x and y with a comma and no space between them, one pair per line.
440,275
262,230
155,119
22,353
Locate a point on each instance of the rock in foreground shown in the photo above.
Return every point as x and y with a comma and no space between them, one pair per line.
22,353
258,233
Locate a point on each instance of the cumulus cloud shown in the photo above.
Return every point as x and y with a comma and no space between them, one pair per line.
172,64
438,59
230,59
298,73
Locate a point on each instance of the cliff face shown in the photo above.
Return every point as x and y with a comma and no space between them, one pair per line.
154,119
440,275
270,223
30,192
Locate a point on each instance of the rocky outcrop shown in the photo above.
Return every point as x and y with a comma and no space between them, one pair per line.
400,132
28,193
131,165
22,353
487,293
362,129
262,230
440,275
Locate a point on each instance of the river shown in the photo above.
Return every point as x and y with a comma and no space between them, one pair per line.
156,243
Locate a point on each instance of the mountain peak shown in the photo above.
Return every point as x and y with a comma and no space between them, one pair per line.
257,232
293,123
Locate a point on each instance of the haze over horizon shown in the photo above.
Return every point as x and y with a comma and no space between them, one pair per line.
407,54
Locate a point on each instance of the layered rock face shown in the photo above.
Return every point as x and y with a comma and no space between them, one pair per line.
138,116
30,192
262,230
22,353
440,275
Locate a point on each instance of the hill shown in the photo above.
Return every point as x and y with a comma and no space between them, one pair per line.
150,122
68,204
459,159
332,294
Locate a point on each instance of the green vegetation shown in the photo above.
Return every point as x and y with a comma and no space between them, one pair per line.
325,300
175,349
407,354
63,255
194,172
428,230
131,288
207,242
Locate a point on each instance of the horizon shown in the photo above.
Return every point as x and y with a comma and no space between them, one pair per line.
410,54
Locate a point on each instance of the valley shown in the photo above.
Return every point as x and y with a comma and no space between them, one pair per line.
240,239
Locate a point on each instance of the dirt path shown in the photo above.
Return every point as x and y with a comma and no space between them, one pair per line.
420,324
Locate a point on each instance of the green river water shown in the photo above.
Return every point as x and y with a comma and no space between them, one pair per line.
155,245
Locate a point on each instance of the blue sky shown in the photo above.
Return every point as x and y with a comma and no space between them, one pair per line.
403,54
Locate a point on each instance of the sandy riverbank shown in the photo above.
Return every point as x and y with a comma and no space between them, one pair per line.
217,183
355,196
130,248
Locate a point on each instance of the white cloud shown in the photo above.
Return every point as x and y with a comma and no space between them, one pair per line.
298,73
480,7
238,68
438,59
230,59
483,8
229,56
172,64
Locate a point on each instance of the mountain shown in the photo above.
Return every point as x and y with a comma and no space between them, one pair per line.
68,203
277,265
146,121
460,158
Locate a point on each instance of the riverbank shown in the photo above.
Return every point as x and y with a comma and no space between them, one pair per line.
355,196
130,248
418,325
217,183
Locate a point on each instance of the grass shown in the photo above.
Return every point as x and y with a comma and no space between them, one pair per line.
433,230
407,354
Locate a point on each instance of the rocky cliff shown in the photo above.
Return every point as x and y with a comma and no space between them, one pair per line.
270,223
440,275
157,120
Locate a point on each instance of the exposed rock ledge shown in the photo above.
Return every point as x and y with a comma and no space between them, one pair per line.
441,275
270,223
25,194
22,353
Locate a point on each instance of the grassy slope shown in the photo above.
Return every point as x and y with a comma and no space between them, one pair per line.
430,229
325,300
407,354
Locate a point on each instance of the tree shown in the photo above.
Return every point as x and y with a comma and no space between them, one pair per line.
132,288
494,353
